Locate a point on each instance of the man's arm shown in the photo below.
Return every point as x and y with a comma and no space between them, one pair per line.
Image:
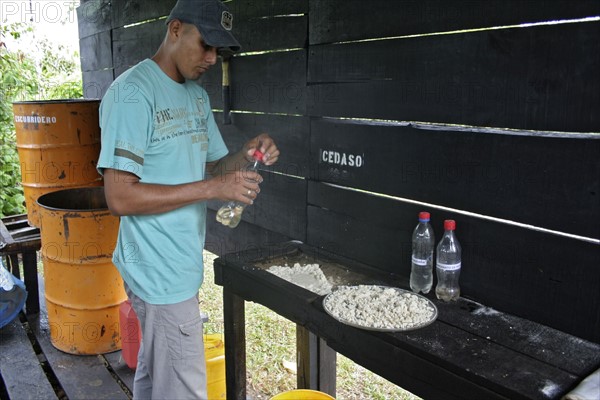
126,195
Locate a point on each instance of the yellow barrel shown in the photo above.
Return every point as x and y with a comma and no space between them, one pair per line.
83,288
302,394
58,143
214,352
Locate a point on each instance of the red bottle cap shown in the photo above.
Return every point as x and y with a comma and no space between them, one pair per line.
424,216
449,225
258,155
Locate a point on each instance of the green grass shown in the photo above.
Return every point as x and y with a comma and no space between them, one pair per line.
271,351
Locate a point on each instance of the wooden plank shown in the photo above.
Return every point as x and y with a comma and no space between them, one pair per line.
261,34
569,353
438,361
20,368
81,377
289,132
345,20
519,178
126,12
245,10
316,362
527,273
120,368
212,82
222,240
96,83
96,52
134,44
235,345
462,366
280,206
529,78
255,24
271,83
30,273
93,17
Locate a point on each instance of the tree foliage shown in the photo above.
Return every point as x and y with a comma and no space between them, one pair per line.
53,74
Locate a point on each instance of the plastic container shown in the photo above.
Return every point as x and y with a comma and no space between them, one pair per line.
131,334
214,351
230,214
12,296
448,264
302,394
423,243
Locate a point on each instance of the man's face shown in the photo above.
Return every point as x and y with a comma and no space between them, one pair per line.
193,55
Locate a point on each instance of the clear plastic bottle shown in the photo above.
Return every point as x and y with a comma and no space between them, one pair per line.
230,214
448,264
423,242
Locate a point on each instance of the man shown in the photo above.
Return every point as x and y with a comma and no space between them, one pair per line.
159,137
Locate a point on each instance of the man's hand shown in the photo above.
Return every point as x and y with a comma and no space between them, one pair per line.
229,182
241,186
266,145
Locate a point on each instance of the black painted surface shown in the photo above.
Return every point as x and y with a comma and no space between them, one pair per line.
527,78
347,20
535,275
548,182
532,78
452,357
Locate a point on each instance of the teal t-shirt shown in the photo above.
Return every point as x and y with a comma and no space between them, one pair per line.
164,132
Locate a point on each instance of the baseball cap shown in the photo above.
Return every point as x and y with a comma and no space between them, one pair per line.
213,20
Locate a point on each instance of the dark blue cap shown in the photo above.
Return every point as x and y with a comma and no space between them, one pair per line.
213,20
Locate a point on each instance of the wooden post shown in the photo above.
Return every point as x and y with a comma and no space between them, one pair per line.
316,362
235,345
32,304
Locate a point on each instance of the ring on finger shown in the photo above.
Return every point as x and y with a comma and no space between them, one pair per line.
249,192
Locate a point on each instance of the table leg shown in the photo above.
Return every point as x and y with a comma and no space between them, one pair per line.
31,282
12,261
235,345
316,362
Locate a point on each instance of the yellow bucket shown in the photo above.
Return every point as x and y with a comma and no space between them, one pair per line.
83,288
214,352
302,394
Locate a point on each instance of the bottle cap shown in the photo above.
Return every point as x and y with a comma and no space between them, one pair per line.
449,225
424,216
258,155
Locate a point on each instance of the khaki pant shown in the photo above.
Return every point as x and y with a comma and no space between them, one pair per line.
171,363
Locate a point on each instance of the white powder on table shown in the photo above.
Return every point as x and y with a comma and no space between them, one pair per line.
378,307
308,276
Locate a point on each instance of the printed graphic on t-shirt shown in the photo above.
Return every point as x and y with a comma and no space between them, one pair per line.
171,123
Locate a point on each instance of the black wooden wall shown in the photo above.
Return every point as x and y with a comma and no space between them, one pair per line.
481,111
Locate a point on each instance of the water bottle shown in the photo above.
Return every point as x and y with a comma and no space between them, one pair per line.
423,242
448,264
230,214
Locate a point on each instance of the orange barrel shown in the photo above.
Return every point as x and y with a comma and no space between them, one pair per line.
58,143
83,288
